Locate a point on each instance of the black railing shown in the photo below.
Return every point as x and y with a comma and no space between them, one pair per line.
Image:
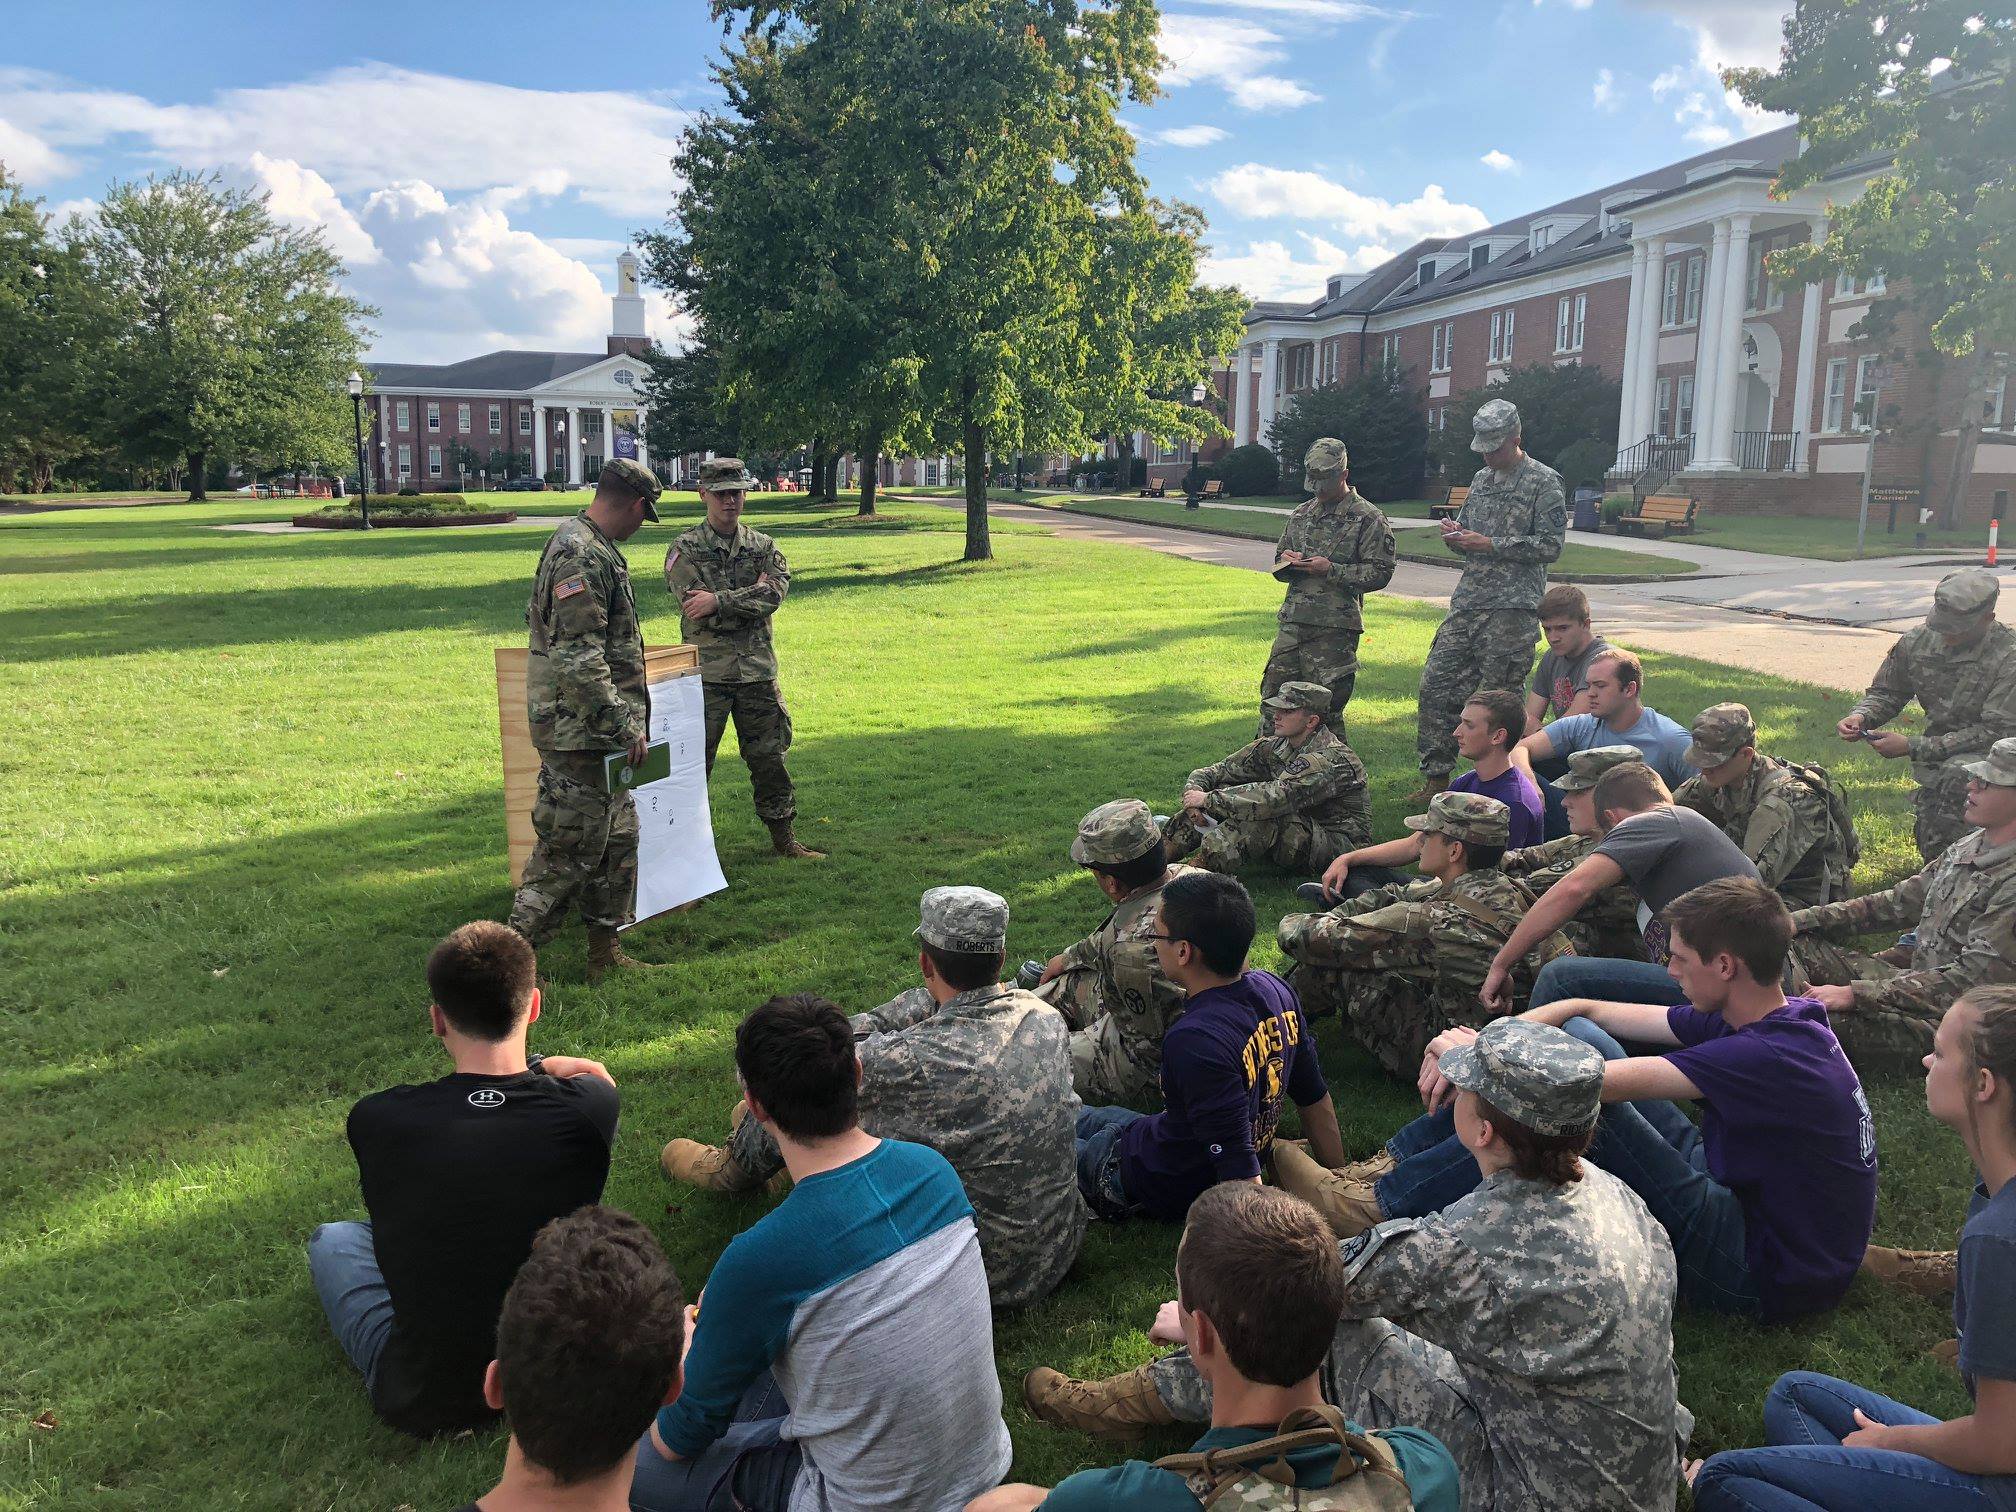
1766,451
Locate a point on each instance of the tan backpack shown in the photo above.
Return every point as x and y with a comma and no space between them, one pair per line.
1257,1475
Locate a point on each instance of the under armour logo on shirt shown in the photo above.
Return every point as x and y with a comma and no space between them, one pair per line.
486,1097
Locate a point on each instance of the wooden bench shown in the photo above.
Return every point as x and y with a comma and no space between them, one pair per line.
1451,506
1154,491
1213,488
1661,514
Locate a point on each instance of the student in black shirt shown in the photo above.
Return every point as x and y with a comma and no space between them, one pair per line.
458,1175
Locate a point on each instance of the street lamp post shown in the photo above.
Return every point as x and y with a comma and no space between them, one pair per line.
356,386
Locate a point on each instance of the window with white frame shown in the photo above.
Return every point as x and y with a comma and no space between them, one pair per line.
1663,411
1877,283
1389,350
405,461
1832,410
496,419
1865,393
433,416
402,415
1683,405
433,461
1501,335
1330,361
1299,364
1542,235
1765,292
1581,319
462,418
1442,341
1669,307
1994,409
1571,314
1691,312
524,422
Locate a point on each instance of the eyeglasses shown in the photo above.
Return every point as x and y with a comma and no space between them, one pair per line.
1172,939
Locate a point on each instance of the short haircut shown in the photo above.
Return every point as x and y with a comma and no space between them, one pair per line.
965,970
795,1056
1553,1158
1264,1267
1564,601
1212,912
481,978
1478,858
1139,872
1630,671
1631,786
1736,916
1503,710
588,1342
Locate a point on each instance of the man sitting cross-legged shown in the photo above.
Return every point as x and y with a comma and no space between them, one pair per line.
1769,1201
588,1350
980,1072
1260,1287
1607,922
1528,1326
1400,965
852,1317
1296,798
1240,1047
458,1175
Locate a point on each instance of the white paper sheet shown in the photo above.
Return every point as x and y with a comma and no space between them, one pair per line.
675,831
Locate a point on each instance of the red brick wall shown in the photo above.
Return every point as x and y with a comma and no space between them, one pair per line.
386,442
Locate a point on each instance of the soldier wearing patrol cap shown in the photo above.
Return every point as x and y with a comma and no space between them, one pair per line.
1109,986
1961,667
1607,924
585,699
1403,962
730,580
1336,549
1510,527
1789,819
1296,797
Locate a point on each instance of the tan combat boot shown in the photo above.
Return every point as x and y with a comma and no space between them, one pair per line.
1947,1353
789,846
709,1167
1927,1273
1430,786
1370,1169
1348,1203
606,954
1122,1408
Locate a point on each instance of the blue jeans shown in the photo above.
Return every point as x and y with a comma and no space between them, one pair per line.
1553,813
1806,1470
750,1466
1650,1146
1607,980
343,1264
1099,1161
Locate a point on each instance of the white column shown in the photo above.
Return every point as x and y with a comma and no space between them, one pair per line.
1729,343
1270,377
1627,410
1645,343
643,454
1708,349
1242,398
573,446
1809,347
539,442
608,435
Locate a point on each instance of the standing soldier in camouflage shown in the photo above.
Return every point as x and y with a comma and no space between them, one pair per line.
1110,987
1402,963
1297,797
1961,667
978,1070
1336,549
584,700
1789,819
1606,925
1885,1008
729,581
1510,527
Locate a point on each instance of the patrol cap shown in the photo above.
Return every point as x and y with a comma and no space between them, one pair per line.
968,920
1542,1076
1998,769
1299,695
1470,817
1325,459
1586,767
637,479
1114,833
1961,599
725,475
1493,424
1719,733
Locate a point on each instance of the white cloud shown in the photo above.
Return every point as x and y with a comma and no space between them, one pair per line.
1726,34
1321,10
28,157
1669,81
1191,136
1272,270
1698,117
1259,191
302,197
1604,94
1499,162
1233,54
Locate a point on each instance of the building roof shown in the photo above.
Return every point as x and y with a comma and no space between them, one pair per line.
493,372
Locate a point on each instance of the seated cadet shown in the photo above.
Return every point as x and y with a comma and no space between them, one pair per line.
1963,909
1616,717
1296,798
1240,1047
1400,965
1108,986
1787,818
1560,685
1485,732
1260,1367
1607,922
1528,1326
980,1072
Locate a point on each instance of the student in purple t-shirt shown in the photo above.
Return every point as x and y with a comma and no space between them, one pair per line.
1240,1048
1485,734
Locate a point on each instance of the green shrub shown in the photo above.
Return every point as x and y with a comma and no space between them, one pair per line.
1248,470
1583,463
407,504
1615,507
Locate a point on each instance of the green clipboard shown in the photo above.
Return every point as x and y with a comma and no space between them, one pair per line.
618,774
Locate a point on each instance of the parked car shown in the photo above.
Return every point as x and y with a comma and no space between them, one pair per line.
521,485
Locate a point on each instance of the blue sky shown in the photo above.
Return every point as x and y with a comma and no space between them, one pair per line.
479,167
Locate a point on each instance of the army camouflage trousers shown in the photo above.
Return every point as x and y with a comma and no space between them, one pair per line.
1380,1376
1938,809
1391,1015
751,1146
763,731
1474,649
1294,844
1312,653
1888,1040
1103,1072
584,854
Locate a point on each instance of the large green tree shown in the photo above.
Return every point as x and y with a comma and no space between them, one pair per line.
1559,407
228,335
1377,416
50,339
1927,88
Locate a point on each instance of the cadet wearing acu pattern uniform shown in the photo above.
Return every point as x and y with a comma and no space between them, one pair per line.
1336,549
1511,526
584,699
729,581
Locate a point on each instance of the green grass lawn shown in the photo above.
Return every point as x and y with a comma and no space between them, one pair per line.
1829,540
252,778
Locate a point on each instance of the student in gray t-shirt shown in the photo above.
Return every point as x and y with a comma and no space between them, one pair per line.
1561,681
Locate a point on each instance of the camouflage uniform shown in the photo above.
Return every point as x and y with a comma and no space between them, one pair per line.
1779,814
1486,640
1527,1326
1608,923
584,698
1968,694
1300,807
984,1078
1322,617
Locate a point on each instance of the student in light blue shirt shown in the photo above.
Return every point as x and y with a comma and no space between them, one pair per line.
1618,716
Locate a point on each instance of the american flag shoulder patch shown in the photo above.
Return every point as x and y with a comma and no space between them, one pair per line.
570,587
